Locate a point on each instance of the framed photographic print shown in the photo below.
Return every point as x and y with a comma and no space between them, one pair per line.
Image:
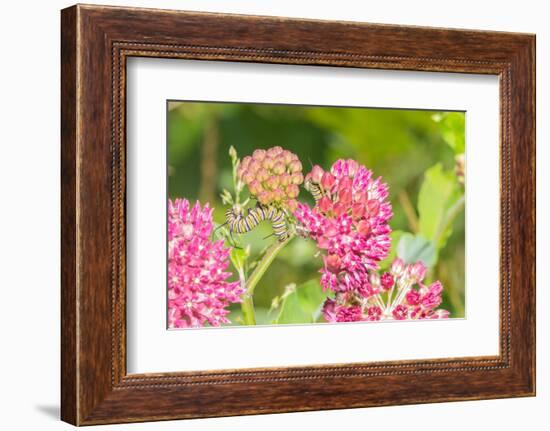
279,215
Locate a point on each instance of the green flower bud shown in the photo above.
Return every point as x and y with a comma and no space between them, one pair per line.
232,153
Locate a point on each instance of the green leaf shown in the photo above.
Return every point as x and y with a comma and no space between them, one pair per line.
413,248
227,198
439,191
301,304
238,257
220,232
260,313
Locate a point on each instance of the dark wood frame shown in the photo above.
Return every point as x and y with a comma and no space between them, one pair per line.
95,43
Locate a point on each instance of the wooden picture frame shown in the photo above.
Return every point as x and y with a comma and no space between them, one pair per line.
96,41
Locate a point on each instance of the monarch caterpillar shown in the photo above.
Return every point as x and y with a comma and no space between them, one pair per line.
240,223
314,189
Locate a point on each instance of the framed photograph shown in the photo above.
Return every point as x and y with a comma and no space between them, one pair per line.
267,215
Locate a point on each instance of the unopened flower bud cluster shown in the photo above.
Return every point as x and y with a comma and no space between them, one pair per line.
272,176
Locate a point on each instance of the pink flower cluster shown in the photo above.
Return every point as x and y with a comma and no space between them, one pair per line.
198,290
349,222
406,297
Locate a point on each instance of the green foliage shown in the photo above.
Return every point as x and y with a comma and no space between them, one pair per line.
300,252
452,129
393,143
413,248
238,257
300,304
438,193
182,136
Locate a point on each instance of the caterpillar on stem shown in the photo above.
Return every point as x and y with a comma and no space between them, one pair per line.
242,221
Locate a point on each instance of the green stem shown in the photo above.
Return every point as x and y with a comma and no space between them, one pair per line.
247,305
264,263
408,208
389,302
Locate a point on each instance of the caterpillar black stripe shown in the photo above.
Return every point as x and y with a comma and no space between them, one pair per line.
240,223
314,189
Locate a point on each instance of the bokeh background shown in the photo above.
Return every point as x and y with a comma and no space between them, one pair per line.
415,152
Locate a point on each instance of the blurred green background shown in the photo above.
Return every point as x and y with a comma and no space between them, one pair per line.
414,151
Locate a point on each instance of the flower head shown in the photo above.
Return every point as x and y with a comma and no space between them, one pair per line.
349,221
334,312
272,176
198,290
387,280
412,299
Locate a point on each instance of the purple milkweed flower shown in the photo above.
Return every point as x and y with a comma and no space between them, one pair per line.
412,298
349,221
341,313
198,290
387,281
